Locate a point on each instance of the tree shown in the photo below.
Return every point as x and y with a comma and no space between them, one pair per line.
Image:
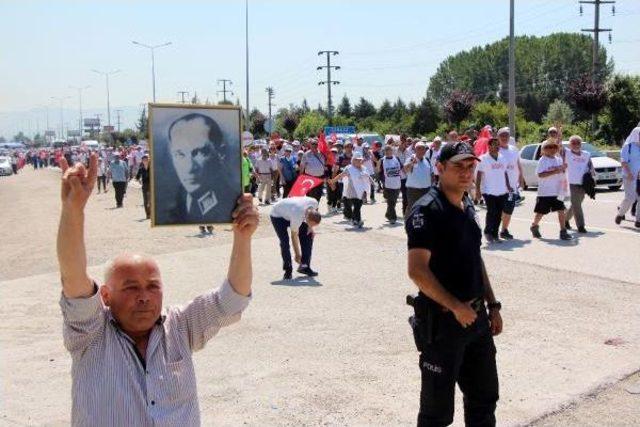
559,112
486,113
458,106
320,110
624,106
310,124
344,109
399,110
304,107
426,117
544,68
143,124
223,102
257,119
587,95
364,109
385,112
290,122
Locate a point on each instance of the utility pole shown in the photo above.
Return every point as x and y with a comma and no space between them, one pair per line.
153,63
182,94
80,89
596,30
271,95
107,74
246,35
61,99
224,88
512,71
329,82
118,118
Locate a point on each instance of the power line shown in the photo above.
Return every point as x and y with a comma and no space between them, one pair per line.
596,30
329,82
224,88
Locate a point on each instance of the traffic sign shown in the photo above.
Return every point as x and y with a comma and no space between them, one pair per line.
269,125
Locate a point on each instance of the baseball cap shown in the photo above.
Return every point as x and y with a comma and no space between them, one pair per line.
358,155
288,148
552,129
420,144
456,152
504,130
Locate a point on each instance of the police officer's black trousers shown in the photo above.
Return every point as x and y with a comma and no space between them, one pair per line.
463,356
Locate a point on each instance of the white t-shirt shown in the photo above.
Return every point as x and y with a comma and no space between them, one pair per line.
433,156
551,185
391,167
420,175
577,165
493,174
511,156
294,210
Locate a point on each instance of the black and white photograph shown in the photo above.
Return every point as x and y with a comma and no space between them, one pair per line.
195,152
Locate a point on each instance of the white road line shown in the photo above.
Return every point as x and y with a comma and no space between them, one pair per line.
609,230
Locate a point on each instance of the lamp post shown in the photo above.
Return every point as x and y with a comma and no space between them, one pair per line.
61,100
153,62
80,89
107,74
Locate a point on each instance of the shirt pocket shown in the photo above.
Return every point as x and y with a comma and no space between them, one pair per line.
180,381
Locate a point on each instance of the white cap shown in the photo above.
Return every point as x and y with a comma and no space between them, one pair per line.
504,130
420,144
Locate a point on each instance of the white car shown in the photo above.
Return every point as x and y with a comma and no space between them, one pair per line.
5,166
608,170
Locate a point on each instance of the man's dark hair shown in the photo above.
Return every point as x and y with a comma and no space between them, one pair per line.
314,216
215,134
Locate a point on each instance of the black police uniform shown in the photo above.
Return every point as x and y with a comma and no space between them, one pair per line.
450,353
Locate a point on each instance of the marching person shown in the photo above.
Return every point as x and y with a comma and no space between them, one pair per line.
264,174
551,173
515,179
300,214
491,180
390,168
143,176
357,183
119,177
578,164
453,328
403,154
630,159
343,161
131,361
419,175
288,170
103,173
314,163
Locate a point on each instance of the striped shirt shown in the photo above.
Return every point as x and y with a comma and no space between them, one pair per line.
110,384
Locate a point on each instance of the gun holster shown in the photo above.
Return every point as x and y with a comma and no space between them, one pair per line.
423,321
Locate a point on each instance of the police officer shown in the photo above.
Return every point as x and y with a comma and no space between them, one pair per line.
453,328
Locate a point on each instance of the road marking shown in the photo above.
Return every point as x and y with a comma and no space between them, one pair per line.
610,230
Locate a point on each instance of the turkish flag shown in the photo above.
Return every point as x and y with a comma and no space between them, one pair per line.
303,185
323,147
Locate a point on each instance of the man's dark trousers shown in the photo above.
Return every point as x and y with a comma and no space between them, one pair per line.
495,206
281,226
316,192
119,188
392,198
466,356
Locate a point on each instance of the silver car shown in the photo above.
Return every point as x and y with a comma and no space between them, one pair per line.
5,166
608,170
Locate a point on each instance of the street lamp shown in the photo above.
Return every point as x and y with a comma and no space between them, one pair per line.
61,99
153,63
80,89
107,74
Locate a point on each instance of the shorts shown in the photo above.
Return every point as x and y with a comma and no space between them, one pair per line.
547,204
510,203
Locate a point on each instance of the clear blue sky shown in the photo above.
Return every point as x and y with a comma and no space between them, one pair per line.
387,48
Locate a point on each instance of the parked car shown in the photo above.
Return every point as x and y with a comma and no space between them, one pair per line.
5,166
608,170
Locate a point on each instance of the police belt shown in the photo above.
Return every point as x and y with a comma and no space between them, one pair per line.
422,304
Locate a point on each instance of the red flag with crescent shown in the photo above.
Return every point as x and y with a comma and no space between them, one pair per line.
323,147
303,185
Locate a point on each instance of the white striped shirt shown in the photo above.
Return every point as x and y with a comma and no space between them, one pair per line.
110,385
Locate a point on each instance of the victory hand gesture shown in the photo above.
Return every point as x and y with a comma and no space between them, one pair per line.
78,183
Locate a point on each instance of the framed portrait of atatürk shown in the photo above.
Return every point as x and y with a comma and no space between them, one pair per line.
195,153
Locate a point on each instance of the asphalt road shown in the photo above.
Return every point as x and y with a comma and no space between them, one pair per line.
337,350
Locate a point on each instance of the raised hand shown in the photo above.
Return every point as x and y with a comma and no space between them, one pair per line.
245,216
78,183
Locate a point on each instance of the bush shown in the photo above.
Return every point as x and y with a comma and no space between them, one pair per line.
310,124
